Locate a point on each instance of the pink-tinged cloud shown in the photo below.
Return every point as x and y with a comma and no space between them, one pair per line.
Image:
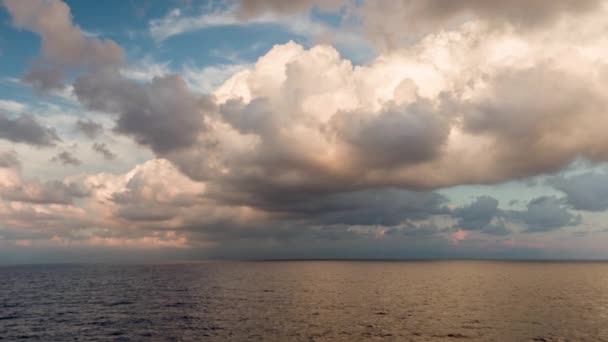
459,235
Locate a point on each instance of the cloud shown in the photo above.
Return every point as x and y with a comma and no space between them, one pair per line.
103,149
155,191
252,8
12,106
26,129
461,115
64,44
397,135
14,188
483,215
66,158
205,80
9,159
163,114
542,214
392,24
52,192
45,78
145,70
587,191
176,23
89,128
303,149
545,214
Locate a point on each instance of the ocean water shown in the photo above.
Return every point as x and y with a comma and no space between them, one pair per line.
306,301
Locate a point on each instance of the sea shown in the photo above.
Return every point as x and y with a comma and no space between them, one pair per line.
306,301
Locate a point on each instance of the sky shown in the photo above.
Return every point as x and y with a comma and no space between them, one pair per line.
262,129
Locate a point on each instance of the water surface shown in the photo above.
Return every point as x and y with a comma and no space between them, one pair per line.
306,301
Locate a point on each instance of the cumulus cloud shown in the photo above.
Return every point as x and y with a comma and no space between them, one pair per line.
459,114
103,149
14,188
303,146
26,129
89,128
66,158
64,44
483,215
163,114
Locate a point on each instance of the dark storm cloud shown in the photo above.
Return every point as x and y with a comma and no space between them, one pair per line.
66,158
587,191
25,129
89,128
162,114
378,207
51,192
103,149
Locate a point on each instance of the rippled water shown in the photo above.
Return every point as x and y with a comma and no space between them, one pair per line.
306,301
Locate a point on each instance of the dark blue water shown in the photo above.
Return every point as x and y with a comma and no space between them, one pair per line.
306,301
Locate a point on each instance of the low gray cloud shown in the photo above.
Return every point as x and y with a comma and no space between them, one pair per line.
483,215
542,214
162,114
51,192
89,128
545,214
66,158
26,129
9,159
587,191
377,207
103,149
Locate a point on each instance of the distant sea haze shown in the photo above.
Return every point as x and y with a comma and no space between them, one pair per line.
306,301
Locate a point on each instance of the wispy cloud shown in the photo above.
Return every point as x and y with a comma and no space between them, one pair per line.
12,106
176,23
